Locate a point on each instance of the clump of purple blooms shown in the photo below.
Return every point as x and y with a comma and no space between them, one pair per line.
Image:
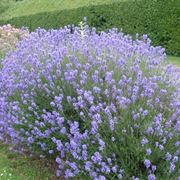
102,105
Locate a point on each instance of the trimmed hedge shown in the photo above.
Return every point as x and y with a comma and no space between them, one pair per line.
157,18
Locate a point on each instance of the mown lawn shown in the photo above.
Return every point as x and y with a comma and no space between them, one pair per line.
29,7
14,166
4,5
174,60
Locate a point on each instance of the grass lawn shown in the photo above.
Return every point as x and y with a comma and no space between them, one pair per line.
5,4
174,60
28,7
14,166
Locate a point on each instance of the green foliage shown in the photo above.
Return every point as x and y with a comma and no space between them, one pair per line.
158,19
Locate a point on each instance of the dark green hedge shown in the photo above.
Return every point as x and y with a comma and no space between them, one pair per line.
160,19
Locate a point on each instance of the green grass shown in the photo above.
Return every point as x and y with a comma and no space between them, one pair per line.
29,7
174,60
4,5
14,166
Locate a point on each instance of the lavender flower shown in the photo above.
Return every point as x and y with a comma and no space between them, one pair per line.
151,177
147,163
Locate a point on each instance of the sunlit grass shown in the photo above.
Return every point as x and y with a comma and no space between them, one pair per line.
174,60
28,7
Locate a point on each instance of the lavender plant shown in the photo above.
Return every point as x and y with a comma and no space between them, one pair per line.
102,105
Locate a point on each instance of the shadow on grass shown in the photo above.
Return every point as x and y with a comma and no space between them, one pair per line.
14,166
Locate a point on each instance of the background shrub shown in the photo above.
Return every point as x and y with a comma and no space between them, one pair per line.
9,37
157,18
102,106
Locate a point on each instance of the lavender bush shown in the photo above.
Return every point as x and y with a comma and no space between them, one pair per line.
102,105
